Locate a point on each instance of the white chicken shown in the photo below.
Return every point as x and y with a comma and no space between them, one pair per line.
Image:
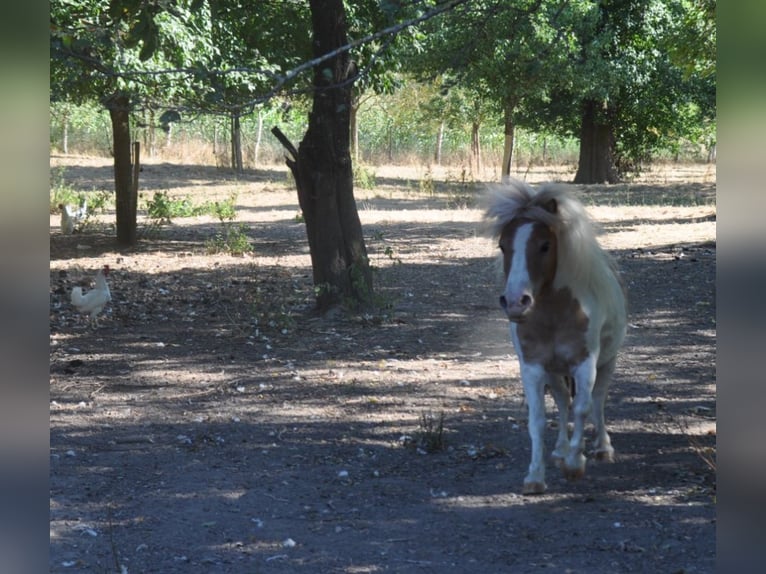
71,217
93,301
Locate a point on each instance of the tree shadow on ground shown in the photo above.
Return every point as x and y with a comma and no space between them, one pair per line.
210,420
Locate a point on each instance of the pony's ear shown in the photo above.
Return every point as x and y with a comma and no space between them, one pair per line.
551,206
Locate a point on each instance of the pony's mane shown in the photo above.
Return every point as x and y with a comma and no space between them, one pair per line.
581,259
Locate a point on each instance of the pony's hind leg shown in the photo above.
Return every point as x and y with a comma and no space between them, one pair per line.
602,447
562,396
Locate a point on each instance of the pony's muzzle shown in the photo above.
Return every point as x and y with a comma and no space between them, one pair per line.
518,308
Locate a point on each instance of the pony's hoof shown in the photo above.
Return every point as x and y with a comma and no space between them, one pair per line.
533,488
574,466
573,474
604,455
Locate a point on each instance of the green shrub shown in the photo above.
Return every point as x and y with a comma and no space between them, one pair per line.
225,210
364,177
232,239
162,209
61,192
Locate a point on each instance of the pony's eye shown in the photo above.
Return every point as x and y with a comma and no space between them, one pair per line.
545,247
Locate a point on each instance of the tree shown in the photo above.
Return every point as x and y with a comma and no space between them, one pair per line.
254,42
503,52
110,52
625,93
323,171
622,75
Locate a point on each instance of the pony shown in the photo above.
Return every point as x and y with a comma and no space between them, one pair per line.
567,310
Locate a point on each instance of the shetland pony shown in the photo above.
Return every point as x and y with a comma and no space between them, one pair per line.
567,311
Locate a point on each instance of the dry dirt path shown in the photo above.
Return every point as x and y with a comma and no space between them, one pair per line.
209,424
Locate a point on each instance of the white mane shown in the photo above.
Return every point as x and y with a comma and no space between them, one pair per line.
581,260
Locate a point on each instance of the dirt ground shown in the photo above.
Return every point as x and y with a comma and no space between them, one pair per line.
211,424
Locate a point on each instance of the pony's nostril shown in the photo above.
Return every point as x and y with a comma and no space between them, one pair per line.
503,302
525,300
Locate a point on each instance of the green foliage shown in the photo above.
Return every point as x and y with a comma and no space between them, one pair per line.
88,65
536,63
692,45
162,209
226,211
364,176
100,202
651,62
62,192
626,67
232,239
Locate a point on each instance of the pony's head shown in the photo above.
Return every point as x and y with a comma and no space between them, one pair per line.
541,234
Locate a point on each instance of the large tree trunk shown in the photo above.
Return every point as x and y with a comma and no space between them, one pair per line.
596,164
323,171
126,198
510,135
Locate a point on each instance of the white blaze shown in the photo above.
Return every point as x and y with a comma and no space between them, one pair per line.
518,281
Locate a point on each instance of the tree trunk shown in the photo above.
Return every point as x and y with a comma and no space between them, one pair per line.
258,138
126,198
439,143
65,122
236,143
596,164
510,136
323,171
152,132
475,149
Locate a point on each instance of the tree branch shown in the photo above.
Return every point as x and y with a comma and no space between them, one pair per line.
279,79
287,145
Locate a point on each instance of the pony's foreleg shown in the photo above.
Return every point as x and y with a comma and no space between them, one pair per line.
563,398
533,378
603,446
585,376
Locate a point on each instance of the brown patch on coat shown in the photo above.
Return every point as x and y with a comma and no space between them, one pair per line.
553,332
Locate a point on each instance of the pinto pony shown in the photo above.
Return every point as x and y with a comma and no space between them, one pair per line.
568,315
